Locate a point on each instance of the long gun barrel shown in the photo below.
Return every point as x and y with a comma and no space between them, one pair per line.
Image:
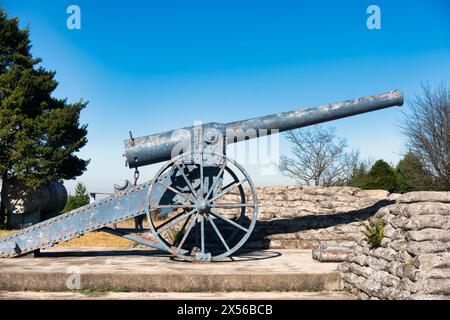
159,147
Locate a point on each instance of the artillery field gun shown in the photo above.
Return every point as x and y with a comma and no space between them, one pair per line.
184,203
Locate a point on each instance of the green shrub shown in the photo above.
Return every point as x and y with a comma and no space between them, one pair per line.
359,176
382,176
79,199
374,231
412,175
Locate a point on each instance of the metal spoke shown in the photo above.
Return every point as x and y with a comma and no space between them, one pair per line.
225,191
202,229
173,206
218,215
168,221
182,229
201,177
187,181
218,233
191,224
174,220
173,190
232,205
228,185
217,180
197,231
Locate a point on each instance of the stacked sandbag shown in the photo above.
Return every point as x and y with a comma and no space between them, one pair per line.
303,217
413,261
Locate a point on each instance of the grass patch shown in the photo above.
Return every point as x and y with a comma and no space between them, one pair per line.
100,290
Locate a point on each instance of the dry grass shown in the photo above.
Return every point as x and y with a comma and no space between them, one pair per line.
91,239
5,232
94,239
98,239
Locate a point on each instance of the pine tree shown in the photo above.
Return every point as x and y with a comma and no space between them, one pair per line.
382,176
359,176
39,134
412,176
79,199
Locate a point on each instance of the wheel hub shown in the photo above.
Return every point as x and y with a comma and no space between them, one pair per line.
202,206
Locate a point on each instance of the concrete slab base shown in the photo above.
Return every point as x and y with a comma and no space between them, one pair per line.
240,295
144,270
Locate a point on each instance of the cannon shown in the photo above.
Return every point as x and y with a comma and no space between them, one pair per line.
27,207
201,205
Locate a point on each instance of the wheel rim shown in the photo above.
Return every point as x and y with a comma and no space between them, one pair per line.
200,225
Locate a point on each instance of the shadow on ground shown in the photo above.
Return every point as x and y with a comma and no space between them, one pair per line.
243,255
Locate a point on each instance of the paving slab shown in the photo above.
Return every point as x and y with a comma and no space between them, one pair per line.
144,270
240,295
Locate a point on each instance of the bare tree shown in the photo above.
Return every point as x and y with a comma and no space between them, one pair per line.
426,125
319,157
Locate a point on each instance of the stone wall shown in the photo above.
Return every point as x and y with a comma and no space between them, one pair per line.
413,261
303,217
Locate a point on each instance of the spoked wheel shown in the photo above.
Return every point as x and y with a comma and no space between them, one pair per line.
200,210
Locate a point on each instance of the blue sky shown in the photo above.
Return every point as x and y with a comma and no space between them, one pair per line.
149,66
